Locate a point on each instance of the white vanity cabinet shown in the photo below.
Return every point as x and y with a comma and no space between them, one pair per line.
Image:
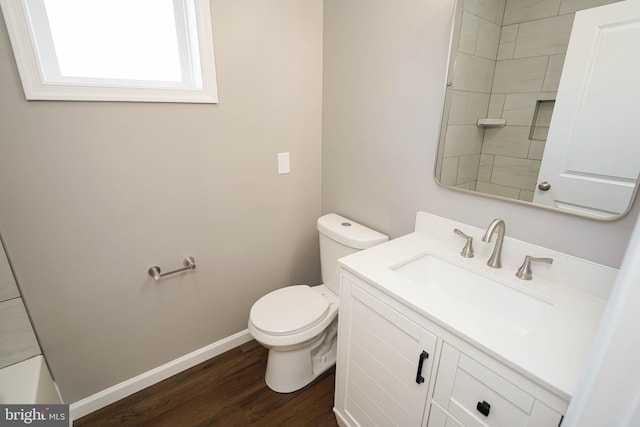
378,381
385,363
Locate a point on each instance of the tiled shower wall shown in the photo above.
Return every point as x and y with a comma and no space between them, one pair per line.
528,62
17,338
471,91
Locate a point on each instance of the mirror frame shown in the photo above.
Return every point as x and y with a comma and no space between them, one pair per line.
454,41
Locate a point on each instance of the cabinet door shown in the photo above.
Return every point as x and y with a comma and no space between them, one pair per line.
439,418
384,363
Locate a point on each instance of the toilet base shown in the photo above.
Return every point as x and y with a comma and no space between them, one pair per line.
289,370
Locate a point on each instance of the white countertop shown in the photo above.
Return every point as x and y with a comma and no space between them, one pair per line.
553,353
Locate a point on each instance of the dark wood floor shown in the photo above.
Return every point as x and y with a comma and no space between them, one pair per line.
228,390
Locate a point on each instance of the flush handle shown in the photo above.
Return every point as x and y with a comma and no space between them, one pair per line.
419,378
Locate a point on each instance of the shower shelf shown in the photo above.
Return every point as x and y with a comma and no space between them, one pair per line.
486,122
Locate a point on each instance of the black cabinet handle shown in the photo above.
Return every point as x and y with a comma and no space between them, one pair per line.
419,378
484,408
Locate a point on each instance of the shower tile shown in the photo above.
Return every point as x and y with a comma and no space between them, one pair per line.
519,108
509,33
545,111
540,133
17,339
556,32
507,44
554,71
520,75
488,39
498,190
485,168
449,172
513,172
505,50
540,128
485,9
501,7
536,150
462,140
473,73
496,105
528,10
526,196
468,168
510,141
469,33
569,6
467,107
467,186
458,107
477,107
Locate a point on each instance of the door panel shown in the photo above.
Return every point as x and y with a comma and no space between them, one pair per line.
596,116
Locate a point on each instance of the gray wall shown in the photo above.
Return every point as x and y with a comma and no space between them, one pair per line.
384,73
93,194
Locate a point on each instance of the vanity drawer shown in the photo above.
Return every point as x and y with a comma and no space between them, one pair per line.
477,396
474,386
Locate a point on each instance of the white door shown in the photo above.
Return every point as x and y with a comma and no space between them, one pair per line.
592,155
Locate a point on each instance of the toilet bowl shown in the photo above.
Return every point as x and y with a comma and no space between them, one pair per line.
294,323
299,323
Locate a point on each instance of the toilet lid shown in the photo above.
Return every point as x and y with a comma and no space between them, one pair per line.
289,310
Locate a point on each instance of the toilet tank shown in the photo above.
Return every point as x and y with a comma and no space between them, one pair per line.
340,237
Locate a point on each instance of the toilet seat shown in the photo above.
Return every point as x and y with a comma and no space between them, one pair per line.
289,310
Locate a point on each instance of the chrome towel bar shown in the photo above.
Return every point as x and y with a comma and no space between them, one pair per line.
189,264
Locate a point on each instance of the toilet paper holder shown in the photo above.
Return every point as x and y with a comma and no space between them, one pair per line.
189,264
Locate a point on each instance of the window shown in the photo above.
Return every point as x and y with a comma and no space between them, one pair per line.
113,50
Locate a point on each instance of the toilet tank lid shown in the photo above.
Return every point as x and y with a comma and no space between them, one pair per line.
349,233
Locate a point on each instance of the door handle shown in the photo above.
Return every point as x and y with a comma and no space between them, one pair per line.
419,378
544,186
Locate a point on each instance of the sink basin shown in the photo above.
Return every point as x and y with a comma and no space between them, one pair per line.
490,302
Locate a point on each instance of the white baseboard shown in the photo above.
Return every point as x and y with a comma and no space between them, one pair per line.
146,379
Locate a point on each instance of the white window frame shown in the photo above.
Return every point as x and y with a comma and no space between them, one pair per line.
41,81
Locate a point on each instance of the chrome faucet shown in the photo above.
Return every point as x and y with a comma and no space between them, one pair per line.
496,257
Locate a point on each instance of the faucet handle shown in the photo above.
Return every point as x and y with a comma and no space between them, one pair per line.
467,251
524,272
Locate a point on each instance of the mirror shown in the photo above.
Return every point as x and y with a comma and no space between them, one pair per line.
509,118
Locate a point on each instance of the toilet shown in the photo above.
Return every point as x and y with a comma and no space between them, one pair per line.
299,323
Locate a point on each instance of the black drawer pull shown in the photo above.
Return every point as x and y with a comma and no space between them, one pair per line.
419,377
484,408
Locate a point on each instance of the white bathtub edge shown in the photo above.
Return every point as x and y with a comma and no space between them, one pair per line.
126,388
47,390
28,382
